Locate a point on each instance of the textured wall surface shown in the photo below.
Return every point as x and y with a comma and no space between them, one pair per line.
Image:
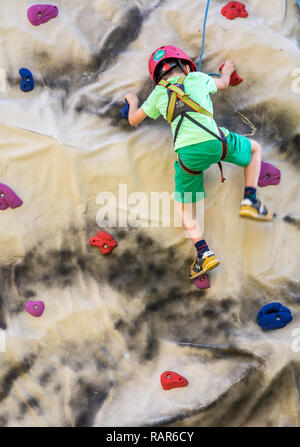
113,324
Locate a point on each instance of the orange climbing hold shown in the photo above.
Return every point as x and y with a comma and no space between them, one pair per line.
170,379
104,241
232,10
235,79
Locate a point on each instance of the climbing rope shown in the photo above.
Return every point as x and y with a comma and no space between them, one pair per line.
203,35
203,40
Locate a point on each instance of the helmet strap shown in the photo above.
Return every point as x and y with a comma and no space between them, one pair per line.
182,67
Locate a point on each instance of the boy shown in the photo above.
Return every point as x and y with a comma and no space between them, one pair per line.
182,96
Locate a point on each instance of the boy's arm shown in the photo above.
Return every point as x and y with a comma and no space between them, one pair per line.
227,70
136,114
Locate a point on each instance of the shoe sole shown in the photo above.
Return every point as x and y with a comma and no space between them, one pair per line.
252,215
210,266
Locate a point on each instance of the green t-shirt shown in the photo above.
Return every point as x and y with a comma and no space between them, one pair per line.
199,86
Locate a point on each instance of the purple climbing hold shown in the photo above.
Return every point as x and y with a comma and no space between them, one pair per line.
269,175
35,308
202,282
38,14
8,198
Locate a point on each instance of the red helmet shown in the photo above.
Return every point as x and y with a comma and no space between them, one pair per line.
167,52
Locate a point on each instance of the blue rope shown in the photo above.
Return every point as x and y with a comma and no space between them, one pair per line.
203,35
203,41
298,1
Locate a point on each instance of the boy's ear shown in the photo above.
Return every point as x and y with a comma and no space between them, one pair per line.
188,68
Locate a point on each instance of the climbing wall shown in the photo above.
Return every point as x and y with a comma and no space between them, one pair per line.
101,334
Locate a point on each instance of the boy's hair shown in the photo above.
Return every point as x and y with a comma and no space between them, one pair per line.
168,65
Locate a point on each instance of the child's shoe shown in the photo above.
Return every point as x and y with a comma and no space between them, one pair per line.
203,265
255,210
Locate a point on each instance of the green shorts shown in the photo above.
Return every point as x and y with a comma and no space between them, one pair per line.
199,157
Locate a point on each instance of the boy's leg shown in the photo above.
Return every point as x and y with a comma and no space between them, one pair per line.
243,151
253,169
189,222
205,259
251,207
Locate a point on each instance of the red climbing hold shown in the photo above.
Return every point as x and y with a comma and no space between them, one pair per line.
202,282
170,379
104,241
235,79
234,9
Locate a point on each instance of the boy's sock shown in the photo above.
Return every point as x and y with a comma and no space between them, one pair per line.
201,247
250,193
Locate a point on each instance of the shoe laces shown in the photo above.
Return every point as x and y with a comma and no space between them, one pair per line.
207,253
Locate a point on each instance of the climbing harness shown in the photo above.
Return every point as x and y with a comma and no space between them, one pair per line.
180,104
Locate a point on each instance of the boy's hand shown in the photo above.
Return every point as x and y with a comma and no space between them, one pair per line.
227,70
131,98
229,67
135,115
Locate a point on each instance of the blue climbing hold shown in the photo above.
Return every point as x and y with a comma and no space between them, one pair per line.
27,82
273,316
125,110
